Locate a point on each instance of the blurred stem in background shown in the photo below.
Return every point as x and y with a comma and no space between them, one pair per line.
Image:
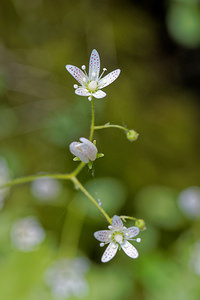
71,230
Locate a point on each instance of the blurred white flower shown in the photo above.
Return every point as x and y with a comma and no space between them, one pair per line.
189,202
195,259
46,189
117,236
92,84
26,234
4,177
66,278
85,150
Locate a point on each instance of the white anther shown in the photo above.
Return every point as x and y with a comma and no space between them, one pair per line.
102,244
138,240
75,86
104,69
83,67
109,227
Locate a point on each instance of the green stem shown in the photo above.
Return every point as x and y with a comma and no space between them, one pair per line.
81,187
78,169
92,121
34,177
110,126
129,218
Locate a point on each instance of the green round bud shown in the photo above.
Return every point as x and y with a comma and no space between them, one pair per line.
132,135
140,224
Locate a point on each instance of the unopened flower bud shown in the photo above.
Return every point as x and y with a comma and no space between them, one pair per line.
132,135
140,224
85,150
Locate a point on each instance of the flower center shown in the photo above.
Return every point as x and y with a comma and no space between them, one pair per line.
119,238
92,86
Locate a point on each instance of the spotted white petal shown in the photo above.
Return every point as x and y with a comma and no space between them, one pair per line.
82,92
117,222
132,231
110,252
77,74
129,249
77,150
99,94
102,235
94,65
108,79
89,148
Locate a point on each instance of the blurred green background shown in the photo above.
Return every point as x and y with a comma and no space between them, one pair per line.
156,44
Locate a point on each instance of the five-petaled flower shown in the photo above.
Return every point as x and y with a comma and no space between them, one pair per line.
117,236
92,83
86,151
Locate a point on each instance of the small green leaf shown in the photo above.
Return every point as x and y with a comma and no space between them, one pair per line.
90,164
76,158
99,155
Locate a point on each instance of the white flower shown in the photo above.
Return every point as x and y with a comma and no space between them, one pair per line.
92,84
27,233
86,150
117,236
46,189
189,202
66,278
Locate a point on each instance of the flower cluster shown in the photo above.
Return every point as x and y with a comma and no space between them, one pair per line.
118,235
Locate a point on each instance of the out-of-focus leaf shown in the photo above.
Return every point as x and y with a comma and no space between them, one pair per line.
184,24
158,205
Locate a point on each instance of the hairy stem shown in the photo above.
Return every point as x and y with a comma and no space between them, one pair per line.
92,121
90,197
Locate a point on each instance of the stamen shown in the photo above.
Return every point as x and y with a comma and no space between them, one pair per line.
138,240
109,227
104,70
83,68
102,244
75,86
89,98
